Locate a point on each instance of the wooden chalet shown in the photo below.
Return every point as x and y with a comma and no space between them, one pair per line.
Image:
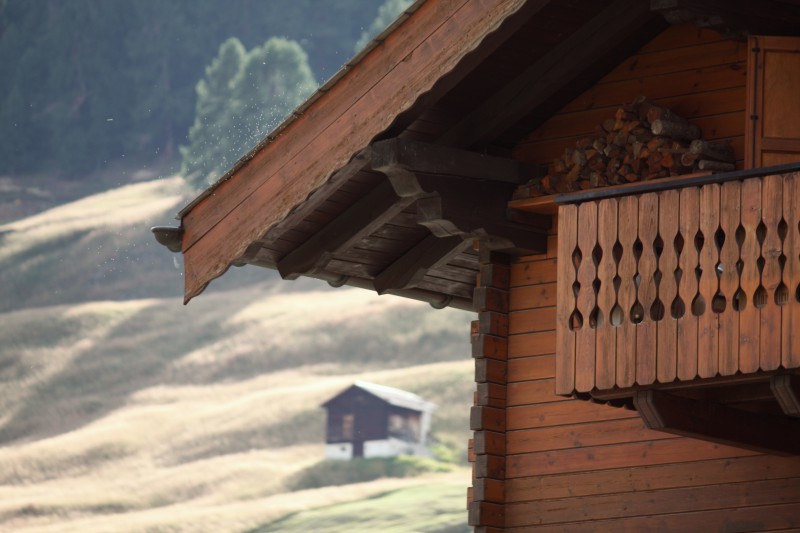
613,187
371,420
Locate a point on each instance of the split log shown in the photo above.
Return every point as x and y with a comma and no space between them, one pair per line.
675,130
642,141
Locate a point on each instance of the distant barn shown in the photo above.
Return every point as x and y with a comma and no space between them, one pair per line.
369,420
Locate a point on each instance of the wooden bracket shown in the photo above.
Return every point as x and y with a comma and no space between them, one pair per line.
359,220
718,423
412,267
786,388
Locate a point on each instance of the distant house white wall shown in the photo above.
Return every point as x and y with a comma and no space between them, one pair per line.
391,447
343,451
340,451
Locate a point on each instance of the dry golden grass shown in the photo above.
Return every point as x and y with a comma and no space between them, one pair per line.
142,415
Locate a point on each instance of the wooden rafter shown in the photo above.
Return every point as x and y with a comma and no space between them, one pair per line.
786,388
359,220
718,423
411,268
763,17
551,73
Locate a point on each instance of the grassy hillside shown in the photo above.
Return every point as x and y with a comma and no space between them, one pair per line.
122,410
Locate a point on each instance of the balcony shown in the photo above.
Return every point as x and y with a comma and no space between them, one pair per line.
684,291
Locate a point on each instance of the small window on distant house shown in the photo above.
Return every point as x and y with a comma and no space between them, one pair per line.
404,427
348,421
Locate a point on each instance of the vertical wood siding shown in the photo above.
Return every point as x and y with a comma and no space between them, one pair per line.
694,72
576,466
572,465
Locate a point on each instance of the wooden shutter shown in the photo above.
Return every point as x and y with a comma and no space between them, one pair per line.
772,135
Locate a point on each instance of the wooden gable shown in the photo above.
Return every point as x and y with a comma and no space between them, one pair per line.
396,178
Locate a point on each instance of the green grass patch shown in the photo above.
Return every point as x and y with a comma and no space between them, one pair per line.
330,473
432,508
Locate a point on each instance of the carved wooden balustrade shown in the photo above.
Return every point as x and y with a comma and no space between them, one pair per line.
679,285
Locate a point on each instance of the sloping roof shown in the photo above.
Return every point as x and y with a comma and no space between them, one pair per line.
391,395
390,172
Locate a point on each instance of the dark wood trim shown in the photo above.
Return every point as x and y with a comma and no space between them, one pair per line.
357,221
738,379
426,158
551,73
766,17
410,268
786,388
642,187
718,423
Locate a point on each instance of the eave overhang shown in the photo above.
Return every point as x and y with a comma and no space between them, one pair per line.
454,83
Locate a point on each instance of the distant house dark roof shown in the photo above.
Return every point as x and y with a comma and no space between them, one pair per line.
392,396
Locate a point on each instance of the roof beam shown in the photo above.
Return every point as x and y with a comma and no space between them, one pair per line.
413,266
718,423
360,219
426,158
786,388
461,193
551,73
744,16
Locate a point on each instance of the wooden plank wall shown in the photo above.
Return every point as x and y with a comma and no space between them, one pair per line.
574,466
695,72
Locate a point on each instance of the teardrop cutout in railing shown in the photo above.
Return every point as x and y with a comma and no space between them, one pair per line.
576,288
596,319
677,308
783,230
698,305
658,246
575,320
719,238
739,300
577,257
617,282
797,294
638,247
597,254
760,298
657,310
678,243
699,241
761,232
719,303
616,252
637,312
782,294
617,316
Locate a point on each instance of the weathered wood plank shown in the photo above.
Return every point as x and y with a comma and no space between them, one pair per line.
687,289
635,454
626,333
730,217
586,333
566,304
771,249
646,329
667,344
532,320
606,368
708,320
579,436
790,350
658,477
526,345
562,413
533,273
529,368
646,503
750,316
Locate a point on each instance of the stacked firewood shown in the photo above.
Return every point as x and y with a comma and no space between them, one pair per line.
643,141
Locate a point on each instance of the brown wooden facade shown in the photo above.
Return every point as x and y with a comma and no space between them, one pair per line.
586,418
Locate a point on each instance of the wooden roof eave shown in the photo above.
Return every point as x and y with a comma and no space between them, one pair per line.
287,167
